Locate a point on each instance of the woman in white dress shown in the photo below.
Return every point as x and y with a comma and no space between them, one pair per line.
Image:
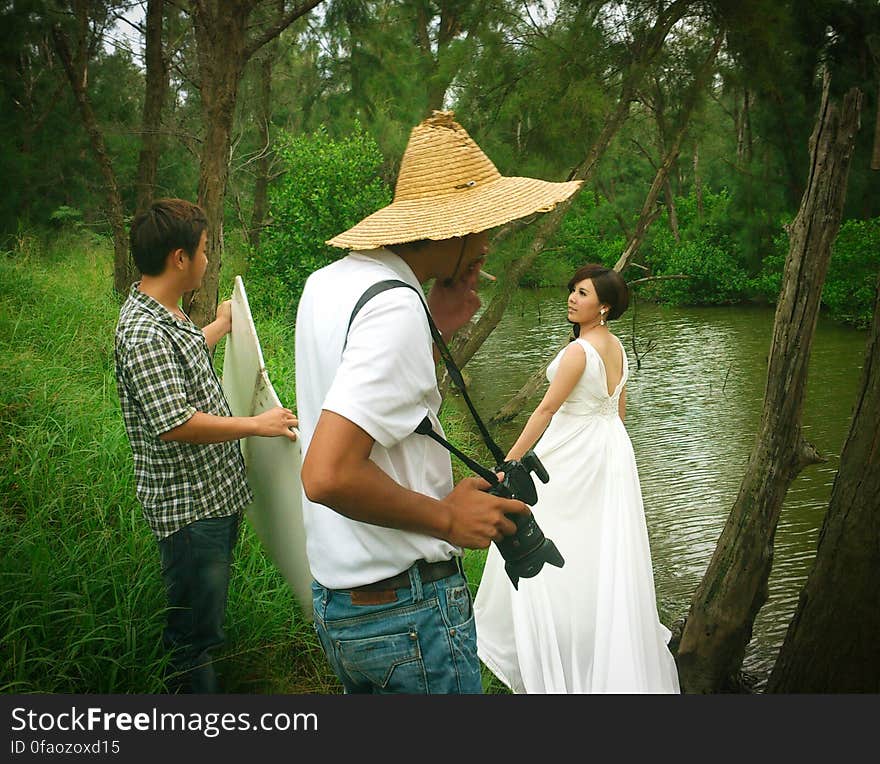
592,625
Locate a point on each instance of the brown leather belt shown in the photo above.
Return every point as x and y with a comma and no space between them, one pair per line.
428,571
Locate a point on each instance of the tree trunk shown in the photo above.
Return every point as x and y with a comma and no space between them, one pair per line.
123,267
650,211
154,101
223,50
469,340
671,211
875,158
220,37
261,185
698,182
734,587
831,644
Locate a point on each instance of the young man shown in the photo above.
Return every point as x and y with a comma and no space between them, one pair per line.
385,527
189,471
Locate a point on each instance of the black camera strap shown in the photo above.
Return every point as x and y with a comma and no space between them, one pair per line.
425,427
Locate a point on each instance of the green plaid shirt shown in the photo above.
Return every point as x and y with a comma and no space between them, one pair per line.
164,375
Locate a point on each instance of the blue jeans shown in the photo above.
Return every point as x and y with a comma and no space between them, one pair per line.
423,643
195,567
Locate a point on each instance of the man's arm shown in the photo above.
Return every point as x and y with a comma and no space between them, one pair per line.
151,370
338,473
209,428
220,326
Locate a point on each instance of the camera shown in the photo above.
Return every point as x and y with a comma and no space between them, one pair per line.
527,549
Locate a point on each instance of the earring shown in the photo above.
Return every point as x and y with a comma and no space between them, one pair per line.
601,318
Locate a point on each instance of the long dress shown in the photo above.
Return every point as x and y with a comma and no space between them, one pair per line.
591,626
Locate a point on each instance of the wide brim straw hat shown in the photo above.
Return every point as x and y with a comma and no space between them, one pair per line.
447,187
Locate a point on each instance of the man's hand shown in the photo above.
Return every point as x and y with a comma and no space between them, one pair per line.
477,518
275,422
220,326
453,306
224,317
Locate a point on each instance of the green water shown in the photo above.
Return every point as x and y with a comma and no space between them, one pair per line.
692,414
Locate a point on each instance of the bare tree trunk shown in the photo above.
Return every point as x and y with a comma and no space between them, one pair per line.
747,125
77,76
698,181
220,39
831,644
671,211
449,25
154,101
875,158
470,339
223,50
261,185
724,607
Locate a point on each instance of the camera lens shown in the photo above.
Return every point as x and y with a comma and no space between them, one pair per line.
526,550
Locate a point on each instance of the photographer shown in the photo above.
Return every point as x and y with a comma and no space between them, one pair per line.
385,526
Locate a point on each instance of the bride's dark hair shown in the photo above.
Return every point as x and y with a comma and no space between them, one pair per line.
610,287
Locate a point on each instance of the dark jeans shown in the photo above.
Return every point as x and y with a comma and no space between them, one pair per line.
195,567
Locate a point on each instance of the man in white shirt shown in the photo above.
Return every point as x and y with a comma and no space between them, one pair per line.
385,526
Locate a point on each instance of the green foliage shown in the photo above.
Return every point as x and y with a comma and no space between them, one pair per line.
767,284
328,185
851,282
582,237
714,276
852,275
706,254
66,216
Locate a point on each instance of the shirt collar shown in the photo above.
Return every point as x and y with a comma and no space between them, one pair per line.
393,261
157,309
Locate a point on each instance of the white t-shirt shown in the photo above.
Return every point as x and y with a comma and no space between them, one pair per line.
385,383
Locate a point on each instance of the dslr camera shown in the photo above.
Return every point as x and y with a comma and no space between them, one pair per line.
527,549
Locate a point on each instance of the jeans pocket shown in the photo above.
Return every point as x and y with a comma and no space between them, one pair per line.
214,536
391,662
458,608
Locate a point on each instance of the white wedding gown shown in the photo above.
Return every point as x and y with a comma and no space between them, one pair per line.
592,625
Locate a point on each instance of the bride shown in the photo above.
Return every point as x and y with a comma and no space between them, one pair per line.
592,625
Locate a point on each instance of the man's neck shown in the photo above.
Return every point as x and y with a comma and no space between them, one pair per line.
422,261
165,291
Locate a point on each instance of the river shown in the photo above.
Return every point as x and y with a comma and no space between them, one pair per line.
693,412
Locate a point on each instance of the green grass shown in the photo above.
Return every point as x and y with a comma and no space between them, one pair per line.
81,596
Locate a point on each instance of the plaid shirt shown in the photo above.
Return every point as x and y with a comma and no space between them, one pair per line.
164,375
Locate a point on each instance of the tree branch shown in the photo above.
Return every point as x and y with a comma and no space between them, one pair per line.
273,31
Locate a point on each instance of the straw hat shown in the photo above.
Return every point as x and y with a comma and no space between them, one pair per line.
448,187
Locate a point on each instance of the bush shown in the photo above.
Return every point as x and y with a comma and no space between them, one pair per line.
851,282
327,187
768,283
583,239
715,276
852,275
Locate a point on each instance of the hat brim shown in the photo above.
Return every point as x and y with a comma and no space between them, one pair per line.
467,211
